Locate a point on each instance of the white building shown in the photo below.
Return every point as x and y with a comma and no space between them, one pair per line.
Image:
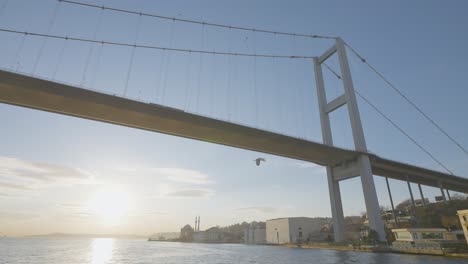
255,236
293,229
463,215
420,235
200,237
426,240
211,235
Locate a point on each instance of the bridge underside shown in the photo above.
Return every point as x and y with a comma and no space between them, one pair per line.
30,92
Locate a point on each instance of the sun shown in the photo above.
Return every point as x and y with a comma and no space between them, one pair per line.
110,206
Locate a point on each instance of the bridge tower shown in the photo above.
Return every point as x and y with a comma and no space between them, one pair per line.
347,169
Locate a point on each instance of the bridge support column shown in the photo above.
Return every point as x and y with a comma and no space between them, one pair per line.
391,202
336,206
363,165
422,195
370,197
448,195
442,191
411,193
413,204
333,184
367,177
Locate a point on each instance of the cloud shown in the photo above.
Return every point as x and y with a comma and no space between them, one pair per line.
22,171
184,175
82,214
18,216
259,209
39,171
177,175
14,186
126,169
147,213
74,212
191,193
71,206
175,182
157,213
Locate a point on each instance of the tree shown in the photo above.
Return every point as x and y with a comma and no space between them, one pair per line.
389,235
383,209
373,235
450,222
458,196
441,214
353,223
404,206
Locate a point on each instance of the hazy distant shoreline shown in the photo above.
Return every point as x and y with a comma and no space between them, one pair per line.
60,235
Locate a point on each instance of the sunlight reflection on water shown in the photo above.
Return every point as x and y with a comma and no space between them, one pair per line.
131,251
101,250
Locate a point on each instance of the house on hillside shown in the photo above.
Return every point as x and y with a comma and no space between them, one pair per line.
463,215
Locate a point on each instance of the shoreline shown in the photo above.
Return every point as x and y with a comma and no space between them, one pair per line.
378,249
349,247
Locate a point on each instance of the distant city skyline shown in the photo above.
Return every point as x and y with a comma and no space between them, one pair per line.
60,174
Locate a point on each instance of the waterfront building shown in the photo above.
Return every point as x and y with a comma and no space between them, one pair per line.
463,216
164,236
426,240
293,229
211,235
186,233
420,235
255,235
200,237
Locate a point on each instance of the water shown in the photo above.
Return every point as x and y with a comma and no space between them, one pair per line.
107,250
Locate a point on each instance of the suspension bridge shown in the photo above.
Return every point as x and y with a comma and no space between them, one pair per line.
48,94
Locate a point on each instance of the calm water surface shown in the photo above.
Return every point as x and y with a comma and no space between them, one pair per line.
107,250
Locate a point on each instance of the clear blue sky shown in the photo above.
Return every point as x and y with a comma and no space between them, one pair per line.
53,167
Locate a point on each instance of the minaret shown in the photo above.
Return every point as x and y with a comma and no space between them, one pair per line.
198,223
195,228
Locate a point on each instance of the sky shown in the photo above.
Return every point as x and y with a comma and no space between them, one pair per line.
69,175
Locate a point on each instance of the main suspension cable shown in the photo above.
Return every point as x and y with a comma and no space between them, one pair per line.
154,47
399,92
198,21
103,7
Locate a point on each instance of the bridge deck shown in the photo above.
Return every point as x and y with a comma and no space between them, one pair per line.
26,91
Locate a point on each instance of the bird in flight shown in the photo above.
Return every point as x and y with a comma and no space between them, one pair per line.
258,160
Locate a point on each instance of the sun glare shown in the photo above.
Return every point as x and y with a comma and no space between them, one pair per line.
102,250
110,206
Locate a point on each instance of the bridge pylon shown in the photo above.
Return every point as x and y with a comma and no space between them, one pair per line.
361,166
